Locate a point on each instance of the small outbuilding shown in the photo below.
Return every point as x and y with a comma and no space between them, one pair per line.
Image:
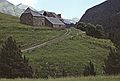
54,22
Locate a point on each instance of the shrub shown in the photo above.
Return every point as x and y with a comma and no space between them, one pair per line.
90,29
81,26
95,31
89,70
99,33
112,62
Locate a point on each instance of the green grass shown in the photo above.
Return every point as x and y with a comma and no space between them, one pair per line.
25,35
97,78
71,54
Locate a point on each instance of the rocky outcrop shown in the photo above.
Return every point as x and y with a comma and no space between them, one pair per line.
11,9
103,14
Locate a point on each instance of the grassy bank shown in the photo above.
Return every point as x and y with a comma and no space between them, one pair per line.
98,78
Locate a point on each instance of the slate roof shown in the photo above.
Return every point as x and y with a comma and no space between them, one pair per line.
40,13
55,21
34,13
50,19
49,14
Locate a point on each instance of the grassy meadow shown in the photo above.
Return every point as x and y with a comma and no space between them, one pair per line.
68,54
71,54
25,35
97,78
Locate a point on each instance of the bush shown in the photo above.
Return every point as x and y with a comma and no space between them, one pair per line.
12,63
57,70
81,26
112,62
89,70
95,31
115,37
90,29
99,31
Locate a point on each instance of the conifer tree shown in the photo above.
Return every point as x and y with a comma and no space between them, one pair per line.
12,63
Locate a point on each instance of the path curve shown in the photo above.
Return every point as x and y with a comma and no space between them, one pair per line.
47,42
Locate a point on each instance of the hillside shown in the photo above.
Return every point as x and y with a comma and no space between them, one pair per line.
68,51
103,14
72,52
25,35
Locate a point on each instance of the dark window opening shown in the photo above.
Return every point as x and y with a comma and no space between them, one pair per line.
45,13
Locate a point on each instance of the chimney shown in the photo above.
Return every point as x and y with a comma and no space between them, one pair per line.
59,15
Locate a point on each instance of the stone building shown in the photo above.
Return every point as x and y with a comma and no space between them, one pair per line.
54,22
42,18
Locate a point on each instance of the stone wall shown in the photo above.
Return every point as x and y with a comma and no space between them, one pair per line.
58,26
48,23
26,18
39,21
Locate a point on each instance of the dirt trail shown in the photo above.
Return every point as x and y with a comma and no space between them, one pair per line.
47,42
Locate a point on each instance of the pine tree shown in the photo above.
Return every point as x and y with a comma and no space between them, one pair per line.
12,63
89,70
112,63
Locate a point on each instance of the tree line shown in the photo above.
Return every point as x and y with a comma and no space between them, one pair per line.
91,30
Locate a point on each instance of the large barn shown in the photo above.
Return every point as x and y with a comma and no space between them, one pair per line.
42,18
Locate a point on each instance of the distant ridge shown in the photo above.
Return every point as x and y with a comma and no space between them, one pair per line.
24,7
102,14
11,9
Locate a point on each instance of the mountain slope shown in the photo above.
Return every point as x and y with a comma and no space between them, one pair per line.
24,7
102,14
8,8
75,19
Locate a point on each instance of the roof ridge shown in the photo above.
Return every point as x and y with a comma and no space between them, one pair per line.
55,20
